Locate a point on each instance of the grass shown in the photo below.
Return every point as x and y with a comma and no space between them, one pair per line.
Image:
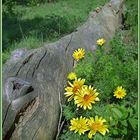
79,8
29,43
44,23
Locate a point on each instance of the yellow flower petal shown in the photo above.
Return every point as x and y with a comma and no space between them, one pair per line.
97,125
79,125
71,76
101,42
120,92
78,54
74,88
90,135
86,97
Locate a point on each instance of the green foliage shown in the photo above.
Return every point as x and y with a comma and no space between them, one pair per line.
31,2
118,67
54,26
67,135
106,71
120,123
131,18
69,111
25,2
131,12
88,66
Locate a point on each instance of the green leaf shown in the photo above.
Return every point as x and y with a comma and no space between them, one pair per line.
117,112
124,131
124,123
133,122
115,132
98,137
125,115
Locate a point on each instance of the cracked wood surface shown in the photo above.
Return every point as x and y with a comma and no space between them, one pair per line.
34,112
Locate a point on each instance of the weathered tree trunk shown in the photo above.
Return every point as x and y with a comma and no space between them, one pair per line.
34,80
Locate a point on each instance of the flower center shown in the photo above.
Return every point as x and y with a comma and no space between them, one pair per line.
96,126
76,88
119,93
79,126
86,97
79,54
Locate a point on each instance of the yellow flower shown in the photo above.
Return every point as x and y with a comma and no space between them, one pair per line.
101,42
86,97
97,125
74,88
78,54
71,76
120,92
79,125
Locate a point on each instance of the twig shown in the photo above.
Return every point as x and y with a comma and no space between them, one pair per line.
21,31
59,123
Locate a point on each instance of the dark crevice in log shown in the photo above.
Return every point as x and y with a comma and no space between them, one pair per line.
38,64
68,44
73,63
19,70
6,114
17,86
25,62
27,59
16,121
41,60
30,89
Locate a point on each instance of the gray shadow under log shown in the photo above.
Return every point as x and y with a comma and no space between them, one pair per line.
34,80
